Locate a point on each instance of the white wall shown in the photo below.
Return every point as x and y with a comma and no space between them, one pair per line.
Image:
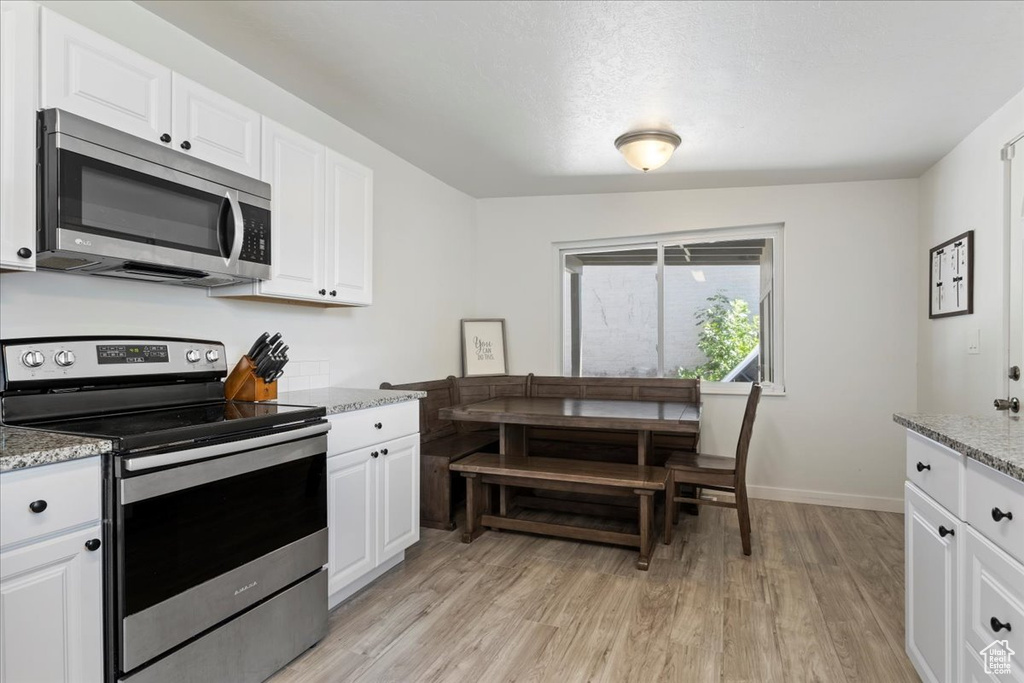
850,318
964,191
422,242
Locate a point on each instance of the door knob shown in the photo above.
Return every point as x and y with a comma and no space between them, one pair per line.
186,145
943,532
383,451
1013,404
24,252
323,292
334,292
166,137
1014,373
921,467
374,454
37,506
92,544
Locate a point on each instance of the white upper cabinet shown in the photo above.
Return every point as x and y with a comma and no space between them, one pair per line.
213,128
92,76
294,167
349,265
321,224
19,98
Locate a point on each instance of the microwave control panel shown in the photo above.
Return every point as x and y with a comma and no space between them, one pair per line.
255,235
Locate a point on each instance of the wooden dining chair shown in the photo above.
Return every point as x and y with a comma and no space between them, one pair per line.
714,472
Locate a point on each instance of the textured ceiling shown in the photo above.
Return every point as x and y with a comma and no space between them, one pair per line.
525,98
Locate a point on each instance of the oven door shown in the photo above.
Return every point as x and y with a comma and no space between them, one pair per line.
198,542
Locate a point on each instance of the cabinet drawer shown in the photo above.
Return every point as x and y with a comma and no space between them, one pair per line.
993,588
361,428
937,470
71,491
994,506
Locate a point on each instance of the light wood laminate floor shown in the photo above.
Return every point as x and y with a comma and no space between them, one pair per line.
820,599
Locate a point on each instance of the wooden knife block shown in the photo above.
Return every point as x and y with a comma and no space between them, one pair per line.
244,385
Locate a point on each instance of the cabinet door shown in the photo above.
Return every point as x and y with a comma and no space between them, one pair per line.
398,496
51,611
213,128
349,268
931,596
92,76
294,166
19,62
350,517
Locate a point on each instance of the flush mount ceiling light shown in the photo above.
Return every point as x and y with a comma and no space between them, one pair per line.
646,150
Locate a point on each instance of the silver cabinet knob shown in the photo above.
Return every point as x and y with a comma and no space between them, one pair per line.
192,356
33,359
64,358
212,356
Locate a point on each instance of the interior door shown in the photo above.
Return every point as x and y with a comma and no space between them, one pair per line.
1014,159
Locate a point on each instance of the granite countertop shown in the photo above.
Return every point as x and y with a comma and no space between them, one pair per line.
993,440
340,400
21,448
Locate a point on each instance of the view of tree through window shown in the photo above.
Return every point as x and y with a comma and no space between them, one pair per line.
712,316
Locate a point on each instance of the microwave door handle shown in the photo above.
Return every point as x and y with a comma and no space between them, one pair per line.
230,229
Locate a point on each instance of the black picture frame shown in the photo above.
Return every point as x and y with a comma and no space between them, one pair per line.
967,237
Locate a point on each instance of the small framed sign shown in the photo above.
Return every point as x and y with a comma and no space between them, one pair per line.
951,277
484,352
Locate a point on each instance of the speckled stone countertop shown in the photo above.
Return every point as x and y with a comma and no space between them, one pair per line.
339,400
994,440
21,448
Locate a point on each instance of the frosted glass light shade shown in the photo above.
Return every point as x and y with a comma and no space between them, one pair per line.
647,150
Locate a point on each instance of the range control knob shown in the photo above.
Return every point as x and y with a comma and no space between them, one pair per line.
64,358
212,356
33,359
192,356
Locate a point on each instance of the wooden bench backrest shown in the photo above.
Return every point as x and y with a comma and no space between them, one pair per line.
440,394
627,388
477,389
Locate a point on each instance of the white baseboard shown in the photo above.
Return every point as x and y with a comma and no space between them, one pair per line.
842,500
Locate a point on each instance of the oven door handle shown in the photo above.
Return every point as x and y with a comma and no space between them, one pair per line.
148,462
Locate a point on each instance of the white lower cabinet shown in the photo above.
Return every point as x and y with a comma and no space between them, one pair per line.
51,574
965,581
372,502
933,538
51,625
398,496
351,490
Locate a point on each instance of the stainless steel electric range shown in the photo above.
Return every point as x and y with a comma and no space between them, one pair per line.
215,512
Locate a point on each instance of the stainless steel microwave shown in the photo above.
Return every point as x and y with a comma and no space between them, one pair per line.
114,205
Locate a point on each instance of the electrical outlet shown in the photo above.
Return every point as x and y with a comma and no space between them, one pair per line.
974,341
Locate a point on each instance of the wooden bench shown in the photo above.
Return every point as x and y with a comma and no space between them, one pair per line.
558,474
440,444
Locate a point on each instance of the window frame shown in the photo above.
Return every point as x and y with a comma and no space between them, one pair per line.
774,231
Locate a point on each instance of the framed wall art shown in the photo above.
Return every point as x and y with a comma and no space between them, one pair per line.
951,277
484,350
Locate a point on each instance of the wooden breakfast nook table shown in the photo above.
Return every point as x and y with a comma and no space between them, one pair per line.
514,467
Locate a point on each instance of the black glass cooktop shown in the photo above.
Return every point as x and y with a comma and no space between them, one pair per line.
149,428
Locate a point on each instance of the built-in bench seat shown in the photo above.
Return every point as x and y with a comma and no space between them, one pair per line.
558,474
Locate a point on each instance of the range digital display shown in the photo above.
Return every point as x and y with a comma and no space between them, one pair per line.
124,353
